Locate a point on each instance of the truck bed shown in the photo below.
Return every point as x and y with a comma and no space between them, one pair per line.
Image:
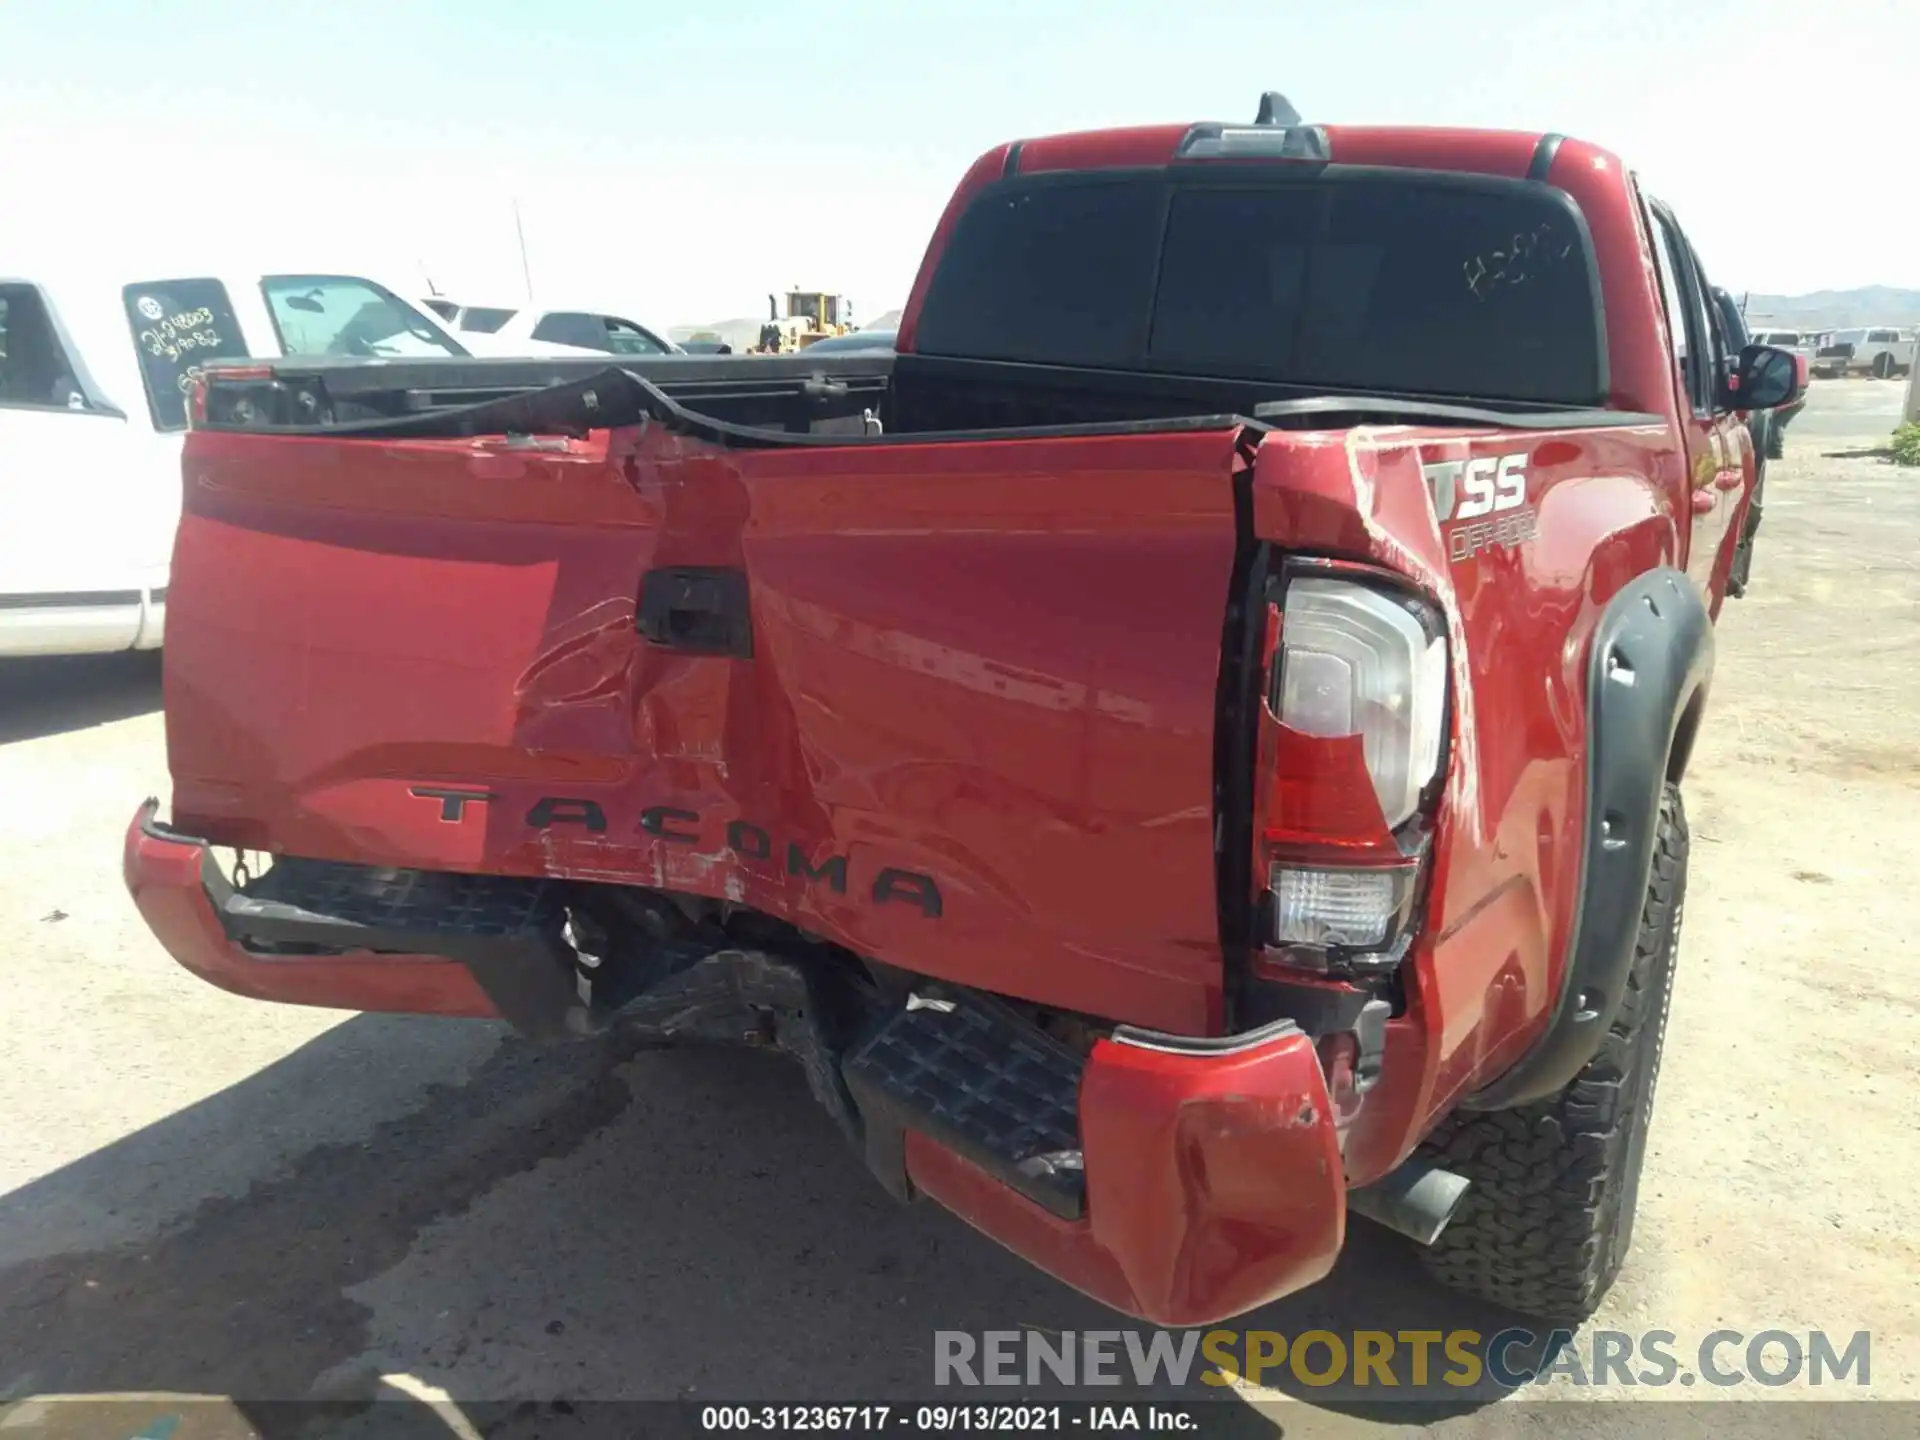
756,401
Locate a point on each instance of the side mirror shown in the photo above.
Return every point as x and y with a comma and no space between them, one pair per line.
1765,378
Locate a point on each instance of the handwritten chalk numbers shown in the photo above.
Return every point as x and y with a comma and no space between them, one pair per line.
1524,256
177,326
180,333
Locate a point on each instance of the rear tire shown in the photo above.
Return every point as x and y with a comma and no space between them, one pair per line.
1548,1214
1750,526
1883,365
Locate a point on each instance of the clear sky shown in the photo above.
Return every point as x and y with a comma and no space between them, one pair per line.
680,162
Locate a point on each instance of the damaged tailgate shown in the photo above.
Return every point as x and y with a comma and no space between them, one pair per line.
950,705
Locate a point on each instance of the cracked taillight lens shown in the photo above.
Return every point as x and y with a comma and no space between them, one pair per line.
1357,711
1357,662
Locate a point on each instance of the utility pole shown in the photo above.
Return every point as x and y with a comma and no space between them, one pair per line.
526,271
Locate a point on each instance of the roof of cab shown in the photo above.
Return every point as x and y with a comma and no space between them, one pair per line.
1278,132
1518,154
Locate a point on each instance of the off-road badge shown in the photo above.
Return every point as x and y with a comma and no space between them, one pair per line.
1481,503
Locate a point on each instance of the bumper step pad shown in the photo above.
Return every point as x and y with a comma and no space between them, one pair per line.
509,932
327,903
976,1077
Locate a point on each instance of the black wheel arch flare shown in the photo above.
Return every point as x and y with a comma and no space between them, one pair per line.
1648,672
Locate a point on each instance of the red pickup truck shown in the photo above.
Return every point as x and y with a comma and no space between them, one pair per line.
1185,749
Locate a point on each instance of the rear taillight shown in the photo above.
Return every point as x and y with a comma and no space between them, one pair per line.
1351,739
246,397
231,382
1360,662
1354,908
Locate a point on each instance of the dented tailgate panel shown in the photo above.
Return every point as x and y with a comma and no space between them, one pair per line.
973,737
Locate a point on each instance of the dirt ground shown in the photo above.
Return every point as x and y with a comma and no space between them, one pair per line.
201,1194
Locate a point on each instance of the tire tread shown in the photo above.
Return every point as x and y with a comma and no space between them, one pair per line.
1548,1214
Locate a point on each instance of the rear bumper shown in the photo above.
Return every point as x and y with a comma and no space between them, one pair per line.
1213,1179
184,898
1181,1180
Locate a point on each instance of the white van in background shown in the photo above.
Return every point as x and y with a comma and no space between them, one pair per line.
95,371
1792,341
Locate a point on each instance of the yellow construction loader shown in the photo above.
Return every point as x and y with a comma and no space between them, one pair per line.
811,315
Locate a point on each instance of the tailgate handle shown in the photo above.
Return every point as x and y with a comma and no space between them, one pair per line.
701,610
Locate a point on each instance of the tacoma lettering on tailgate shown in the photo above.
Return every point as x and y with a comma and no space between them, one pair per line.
674,825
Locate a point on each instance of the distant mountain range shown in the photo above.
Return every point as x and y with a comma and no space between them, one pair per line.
740,334
1837,309
1822,310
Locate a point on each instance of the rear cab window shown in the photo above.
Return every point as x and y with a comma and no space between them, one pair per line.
566,327
1413,284
596,332
626,338
177,327
348,315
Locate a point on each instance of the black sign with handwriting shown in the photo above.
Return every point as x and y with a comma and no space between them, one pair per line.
178,326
